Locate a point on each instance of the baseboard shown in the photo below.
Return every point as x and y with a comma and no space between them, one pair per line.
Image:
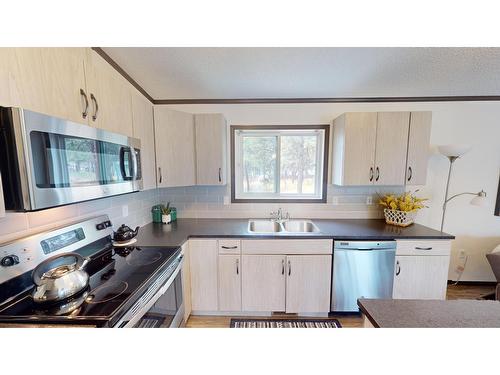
474,283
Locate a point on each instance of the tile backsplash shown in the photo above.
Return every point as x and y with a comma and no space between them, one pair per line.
192,202
136,205
214,201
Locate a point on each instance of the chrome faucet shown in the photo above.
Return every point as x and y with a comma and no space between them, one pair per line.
279,216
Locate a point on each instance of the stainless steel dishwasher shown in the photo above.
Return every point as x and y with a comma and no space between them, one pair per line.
361,269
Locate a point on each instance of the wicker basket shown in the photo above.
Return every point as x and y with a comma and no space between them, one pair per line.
399,218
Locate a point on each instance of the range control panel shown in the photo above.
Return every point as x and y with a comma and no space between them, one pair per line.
25,254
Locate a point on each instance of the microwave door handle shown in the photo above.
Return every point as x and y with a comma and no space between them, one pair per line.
126,176
135,171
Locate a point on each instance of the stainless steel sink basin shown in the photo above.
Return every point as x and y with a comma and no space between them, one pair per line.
264,226
300,226
291,226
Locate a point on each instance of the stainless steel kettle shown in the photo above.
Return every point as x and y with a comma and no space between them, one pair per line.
60,277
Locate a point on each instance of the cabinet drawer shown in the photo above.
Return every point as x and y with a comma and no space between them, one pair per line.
423,247
229,246
288,246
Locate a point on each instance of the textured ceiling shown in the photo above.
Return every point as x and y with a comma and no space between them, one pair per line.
230,73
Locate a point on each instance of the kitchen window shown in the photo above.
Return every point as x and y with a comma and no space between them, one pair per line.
279,163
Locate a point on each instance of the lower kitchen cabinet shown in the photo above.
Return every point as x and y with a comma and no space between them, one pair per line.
186,281
203,269
2,202
420,276
291,283
229,283
263,282
308,283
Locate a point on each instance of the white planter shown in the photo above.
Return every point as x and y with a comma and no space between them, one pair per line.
400,218
166,219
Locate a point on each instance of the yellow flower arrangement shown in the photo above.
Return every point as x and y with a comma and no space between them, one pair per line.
405,202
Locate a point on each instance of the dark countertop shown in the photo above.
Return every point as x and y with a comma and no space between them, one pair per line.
177,233
400,313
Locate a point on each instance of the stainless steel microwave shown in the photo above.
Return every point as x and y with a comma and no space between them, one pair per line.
47,161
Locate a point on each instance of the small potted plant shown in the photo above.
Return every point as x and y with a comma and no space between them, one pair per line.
165,213
401,210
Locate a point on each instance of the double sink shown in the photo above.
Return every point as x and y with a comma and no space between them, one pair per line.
286,227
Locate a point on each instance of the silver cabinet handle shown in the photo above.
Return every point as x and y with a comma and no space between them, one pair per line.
237,266
229,247
161,177
289,268
398,269
86,109
371,174
283,267
423,248
378,174
96,106
220,175
410,173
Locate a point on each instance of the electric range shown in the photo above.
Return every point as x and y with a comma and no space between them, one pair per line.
128,286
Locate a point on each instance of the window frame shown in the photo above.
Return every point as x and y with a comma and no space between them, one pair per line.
277,128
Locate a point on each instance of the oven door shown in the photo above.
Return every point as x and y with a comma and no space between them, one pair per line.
165,309
68,162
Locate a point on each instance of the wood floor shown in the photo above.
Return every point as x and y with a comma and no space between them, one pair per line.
347,321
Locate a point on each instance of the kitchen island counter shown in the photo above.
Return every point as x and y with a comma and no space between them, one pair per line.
406,313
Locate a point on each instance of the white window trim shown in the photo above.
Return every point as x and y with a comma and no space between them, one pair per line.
240,133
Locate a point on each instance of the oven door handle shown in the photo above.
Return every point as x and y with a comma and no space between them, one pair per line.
127,322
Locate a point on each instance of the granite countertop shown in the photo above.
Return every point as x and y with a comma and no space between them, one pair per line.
175,234
400,313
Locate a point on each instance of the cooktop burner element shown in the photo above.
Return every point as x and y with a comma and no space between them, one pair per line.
106,292
141,257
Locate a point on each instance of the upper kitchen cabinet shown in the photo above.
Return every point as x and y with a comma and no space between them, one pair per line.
46,80
175,154
354,136
390,148
211,146
418,148
110,96
380,148
143,128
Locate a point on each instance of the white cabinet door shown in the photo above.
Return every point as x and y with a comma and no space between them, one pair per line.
391,147
186,281
203,268
175,155
354,148
263,282
420,277
110,96
2,202
308,283
142,116
211,147
48,80
229,283
418,148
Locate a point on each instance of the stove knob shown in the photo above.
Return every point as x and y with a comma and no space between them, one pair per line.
9,260
100,226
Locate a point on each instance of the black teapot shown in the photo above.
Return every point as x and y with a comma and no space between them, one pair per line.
124,233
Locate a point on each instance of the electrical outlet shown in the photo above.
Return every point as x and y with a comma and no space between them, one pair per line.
462,254
125,210
369,199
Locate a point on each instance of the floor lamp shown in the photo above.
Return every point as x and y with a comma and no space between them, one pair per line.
453,152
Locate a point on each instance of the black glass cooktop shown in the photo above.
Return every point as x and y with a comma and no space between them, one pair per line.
118,277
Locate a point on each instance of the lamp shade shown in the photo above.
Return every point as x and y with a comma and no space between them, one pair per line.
453,150
480,199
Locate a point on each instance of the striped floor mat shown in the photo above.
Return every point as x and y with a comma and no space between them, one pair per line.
285,323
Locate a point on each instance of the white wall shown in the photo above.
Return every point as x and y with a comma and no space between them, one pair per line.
475,123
